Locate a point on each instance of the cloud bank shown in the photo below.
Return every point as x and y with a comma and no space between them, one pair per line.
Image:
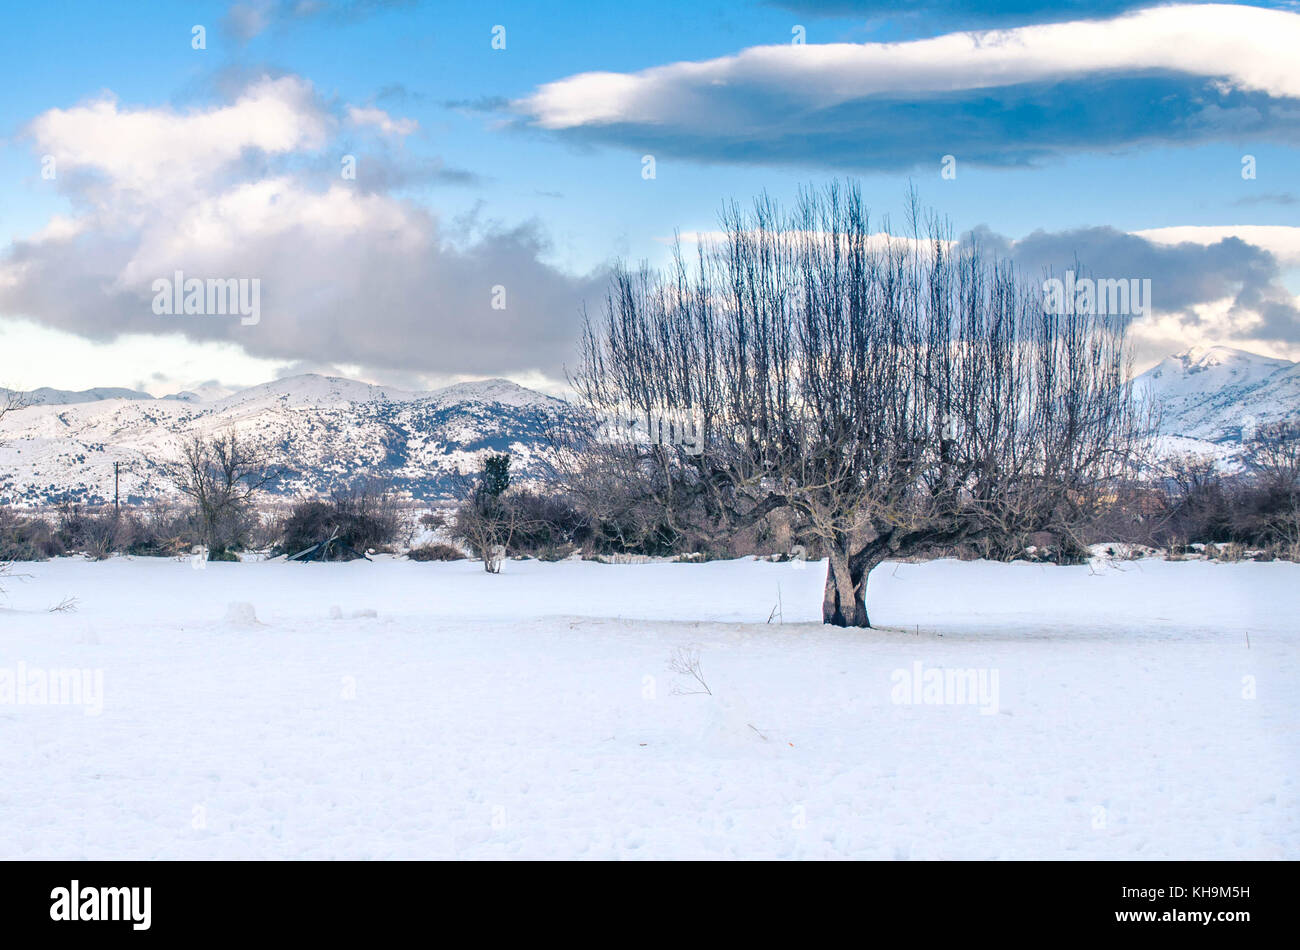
1209,284
350,272
977,13
1168,75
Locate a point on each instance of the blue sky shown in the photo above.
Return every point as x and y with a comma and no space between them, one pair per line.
506,167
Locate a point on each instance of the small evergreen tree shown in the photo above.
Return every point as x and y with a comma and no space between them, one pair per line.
496,475
485,520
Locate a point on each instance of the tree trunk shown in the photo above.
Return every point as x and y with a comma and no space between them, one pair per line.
845,600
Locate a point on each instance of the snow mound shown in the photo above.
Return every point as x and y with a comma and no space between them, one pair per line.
729,724
336,613
241,614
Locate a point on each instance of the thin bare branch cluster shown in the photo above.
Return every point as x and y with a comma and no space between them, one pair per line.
221,473
685,661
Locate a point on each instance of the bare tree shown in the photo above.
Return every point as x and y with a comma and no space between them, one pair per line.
486,519
1275,456
1275,464
11,401
221,473
1197,506
899,395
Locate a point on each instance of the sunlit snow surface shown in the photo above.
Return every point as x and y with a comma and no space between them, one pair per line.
399,709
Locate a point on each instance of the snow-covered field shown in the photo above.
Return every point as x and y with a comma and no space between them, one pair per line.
394,709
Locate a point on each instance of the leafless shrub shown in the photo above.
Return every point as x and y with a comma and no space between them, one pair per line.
1229,551
27,537
685,661
11,401
486,520
1196,502
96,534
221,474
360,518
436,552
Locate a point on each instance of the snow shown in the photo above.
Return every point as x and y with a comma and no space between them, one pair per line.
499,391
45,396
340,429
312,389
334,429
421,710
1209,393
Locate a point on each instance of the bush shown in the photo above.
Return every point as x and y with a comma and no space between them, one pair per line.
158,532
432,520
436,552
357,520
547,525
163,531
27,538
95,534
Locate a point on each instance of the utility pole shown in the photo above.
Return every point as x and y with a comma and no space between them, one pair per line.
117,505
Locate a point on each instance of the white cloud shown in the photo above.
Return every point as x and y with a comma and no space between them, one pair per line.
1250,48
382,121
349,274
1280,240
157,363
1207,324
143,149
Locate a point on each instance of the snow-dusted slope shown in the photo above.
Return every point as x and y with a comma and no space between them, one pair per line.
333,430
330,430
1212,393
45,396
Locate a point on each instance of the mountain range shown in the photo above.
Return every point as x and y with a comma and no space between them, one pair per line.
62,447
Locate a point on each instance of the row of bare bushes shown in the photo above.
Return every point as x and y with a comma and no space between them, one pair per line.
1191,509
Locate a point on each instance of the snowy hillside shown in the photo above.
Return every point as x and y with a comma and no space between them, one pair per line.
45,396
63,447
332,430
1212,393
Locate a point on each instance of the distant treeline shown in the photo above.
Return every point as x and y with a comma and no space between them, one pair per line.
1190,504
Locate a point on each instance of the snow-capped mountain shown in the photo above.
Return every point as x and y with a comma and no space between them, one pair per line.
45,396
332,430
1213,393
329,431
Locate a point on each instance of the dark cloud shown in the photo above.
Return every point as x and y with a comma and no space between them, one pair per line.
398,92
1165,77
420,304
383,171
1184,276
248,18
478,104
962,14
1008,126
1269,198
